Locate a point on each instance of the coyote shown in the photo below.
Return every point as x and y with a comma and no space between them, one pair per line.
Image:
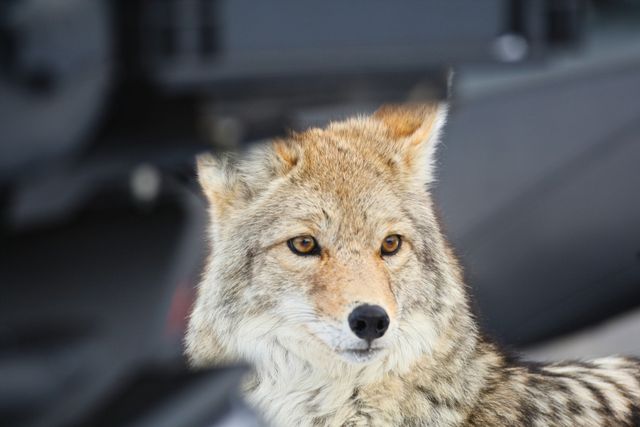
330,275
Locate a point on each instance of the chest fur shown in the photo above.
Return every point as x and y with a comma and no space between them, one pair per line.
320,401
316,400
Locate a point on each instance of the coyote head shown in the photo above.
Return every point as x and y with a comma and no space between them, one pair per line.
325,247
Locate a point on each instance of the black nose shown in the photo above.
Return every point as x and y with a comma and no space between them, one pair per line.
369,321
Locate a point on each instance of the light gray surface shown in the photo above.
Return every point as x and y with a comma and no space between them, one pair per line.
620,335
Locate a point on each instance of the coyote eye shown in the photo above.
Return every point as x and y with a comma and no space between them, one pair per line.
390,245
304,245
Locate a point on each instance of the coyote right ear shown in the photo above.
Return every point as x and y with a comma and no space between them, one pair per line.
220,183
287,154
416,129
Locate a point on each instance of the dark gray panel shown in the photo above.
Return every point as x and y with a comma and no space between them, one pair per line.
540,190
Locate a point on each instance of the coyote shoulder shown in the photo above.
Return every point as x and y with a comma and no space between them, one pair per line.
330,275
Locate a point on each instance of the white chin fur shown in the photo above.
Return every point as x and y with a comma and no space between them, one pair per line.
361,357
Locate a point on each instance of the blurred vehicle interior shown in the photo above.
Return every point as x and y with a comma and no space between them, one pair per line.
104,104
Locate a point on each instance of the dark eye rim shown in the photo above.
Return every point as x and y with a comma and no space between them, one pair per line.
395,251
314,251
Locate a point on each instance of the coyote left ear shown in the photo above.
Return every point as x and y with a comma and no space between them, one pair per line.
415,130
220,183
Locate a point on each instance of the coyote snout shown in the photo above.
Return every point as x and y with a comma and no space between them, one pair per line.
351,297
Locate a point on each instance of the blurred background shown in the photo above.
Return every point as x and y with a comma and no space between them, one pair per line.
104,104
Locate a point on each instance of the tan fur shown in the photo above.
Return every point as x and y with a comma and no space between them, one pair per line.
349,186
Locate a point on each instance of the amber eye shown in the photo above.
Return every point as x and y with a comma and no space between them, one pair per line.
391,245
304,245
